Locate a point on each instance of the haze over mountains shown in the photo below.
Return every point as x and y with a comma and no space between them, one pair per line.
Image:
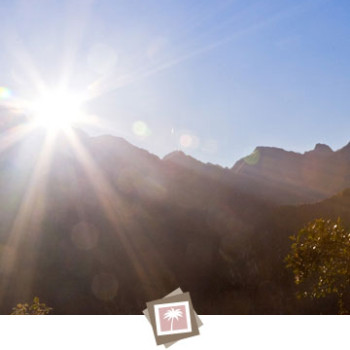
94,225
289,177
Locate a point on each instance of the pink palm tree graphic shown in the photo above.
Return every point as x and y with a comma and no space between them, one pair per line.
172,314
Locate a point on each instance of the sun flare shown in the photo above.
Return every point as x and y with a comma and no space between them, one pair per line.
57,110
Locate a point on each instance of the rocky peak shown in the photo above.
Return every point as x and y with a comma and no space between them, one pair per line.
320,147
175,155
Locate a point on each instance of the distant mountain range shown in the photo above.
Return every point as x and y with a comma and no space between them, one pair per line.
289,177
95,225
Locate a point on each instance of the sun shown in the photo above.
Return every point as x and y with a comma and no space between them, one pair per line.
57,109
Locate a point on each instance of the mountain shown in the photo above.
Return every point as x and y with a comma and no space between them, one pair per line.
289,177
95,225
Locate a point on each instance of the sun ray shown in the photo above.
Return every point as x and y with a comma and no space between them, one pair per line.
14,135
27,223
29,72
108,199
74,35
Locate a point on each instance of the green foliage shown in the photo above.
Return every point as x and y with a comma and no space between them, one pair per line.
36,308
320,260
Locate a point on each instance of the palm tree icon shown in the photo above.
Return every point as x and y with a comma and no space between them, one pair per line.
171,315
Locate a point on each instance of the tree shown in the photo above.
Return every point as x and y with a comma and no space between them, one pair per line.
320,261
173,314
36,308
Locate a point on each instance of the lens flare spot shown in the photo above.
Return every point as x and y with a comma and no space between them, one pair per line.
253,158
188,140
5,93
84,236
185,140
141,129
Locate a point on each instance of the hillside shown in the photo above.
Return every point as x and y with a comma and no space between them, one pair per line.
95,225
294,178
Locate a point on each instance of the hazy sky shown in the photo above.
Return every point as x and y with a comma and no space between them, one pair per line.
215,78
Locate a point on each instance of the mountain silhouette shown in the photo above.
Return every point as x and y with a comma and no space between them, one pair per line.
95,225
289,177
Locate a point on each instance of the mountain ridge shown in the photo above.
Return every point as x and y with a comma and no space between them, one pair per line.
286,176
103,226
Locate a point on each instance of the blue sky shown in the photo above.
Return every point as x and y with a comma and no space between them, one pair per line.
214,78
